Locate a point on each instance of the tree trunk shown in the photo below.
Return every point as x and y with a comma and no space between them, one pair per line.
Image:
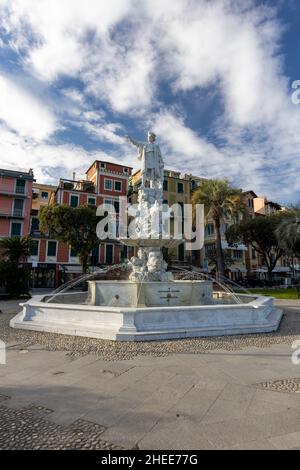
84,263
219,249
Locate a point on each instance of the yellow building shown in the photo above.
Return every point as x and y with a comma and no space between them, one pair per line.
41,194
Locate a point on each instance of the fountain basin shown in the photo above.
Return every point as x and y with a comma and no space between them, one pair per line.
148,323
149,294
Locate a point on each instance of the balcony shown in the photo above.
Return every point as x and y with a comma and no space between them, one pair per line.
81,185
7,190
14,214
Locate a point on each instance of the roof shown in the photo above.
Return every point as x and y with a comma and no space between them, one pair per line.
44,186
17,174
105,161
250,192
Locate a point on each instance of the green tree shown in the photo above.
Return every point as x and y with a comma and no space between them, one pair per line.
75,226
288,232
260,234
211,256
221,201
15,248
13,276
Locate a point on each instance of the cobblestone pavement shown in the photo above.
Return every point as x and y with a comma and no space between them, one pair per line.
113,350
28,428
60,392
283,385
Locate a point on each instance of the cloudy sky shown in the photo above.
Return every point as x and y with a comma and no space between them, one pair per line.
213,79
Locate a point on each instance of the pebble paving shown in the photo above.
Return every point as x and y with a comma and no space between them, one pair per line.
282,385
29,429
115,350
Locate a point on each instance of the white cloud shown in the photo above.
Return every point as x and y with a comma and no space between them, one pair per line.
23,112
123,50
49,161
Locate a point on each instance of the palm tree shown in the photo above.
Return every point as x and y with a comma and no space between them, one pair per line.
15,248
288,232
220,201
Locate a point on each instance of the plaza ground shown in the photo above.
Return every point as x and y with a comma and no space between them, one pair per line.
238,392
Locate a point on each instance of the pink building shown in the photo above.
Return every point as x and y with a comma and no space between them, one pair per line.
54,262
15,202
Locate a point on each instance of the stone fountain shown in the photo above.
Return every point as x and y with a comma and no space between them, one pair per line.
151,305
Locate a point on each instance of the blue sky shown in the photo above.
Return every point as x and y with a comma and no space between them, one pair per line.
211,78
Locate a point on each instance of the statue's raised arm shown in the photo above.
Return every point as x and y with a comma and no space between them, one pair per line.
134,142
152,165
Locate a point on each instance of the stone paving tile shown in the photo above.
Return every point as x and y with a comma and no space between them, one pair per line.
250,428
195,403
263,444
145,415
24,429
175,433
286,441
110,410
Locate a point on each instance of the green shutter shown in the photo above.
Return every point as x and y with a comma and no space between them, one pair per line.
34,247
51,250
15,229
73,201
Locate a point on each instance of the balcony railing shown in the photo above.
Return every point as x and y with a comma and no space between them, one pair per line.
8,190
17,213
81,185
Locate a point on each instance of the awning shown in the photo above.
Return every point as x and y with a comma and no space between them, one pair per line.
277,269
71,269
237,269
240,247
281,269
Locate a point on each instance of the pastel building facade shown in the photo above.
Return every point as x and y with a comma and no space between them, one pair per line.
15,202
55,262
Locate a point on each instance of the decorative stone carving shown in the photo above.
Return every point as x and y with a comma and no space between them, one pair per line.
148,222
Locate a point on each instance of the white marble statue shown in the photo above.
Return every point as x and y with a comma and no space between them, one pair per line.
152,165
149,265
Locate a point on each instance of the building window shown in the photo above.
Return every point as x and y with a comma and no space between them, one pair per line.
108,184
15,230
44,195
73,200
126,171
250,203
210,247
108,201
253,254
102,165
34,248
20,186
51,248
165,185
73,253
210,229
180,187
118,186
18,207
237,254
91,201
225,227
35,224
117,206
